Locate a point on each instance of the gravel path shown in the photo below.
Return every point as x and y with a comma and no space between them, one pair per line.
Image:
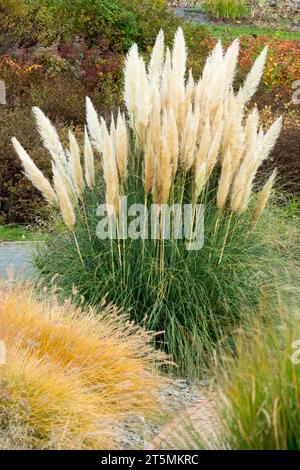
15,259
179,399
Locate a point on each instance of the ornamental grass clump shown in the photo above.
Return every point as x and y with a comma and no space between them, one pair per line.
181,141
71,378
256,403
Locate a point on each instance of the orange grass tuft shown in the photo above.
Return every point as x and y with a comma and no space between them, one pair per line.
71,377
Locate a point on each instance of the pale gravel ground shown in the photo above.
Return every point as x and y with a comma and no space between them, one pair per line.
177,398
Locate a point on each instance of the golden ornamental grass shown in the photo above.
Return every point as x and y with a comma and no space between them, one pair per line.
71,377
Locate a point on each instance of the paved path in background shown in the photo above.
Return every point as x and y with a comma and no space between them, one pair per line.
18,257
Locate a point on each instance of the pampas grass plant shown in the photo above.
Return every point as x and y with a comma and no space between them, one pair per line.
71,377
260,386
185,141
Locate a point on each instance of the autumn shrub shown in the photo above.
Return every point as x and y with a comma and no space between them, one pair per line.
71,377
284,59
120,22
56,79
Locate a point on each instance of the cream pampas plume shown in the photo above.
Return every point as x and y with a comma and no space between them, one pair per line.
94,126
242,185
35,175
65,204
89,164
140,117
110,171
270,139
165,170
75,164
50,138
224,181
173,140
157,58
200,179
189,92
259,150
230,62
112,131
189,138
213,153
205,142
253,78
143,94
179,55
165,81
121,147
131,73
264,196
177,83
153,143
66,207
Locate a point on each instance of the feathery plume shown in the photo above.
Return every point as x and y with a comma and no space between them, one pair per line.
200,179
89,163
131,74
242,184
189,91
165,166
157,58
75,164
173,140
264,196
143,94
121,147
110,170
113,133
259,150
213,153
253,78
165,93
189,138
65,204
35,175
270,139
230,62
179,55
224,181
205,141
153,137
251,129
93,125
50,138
54,146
